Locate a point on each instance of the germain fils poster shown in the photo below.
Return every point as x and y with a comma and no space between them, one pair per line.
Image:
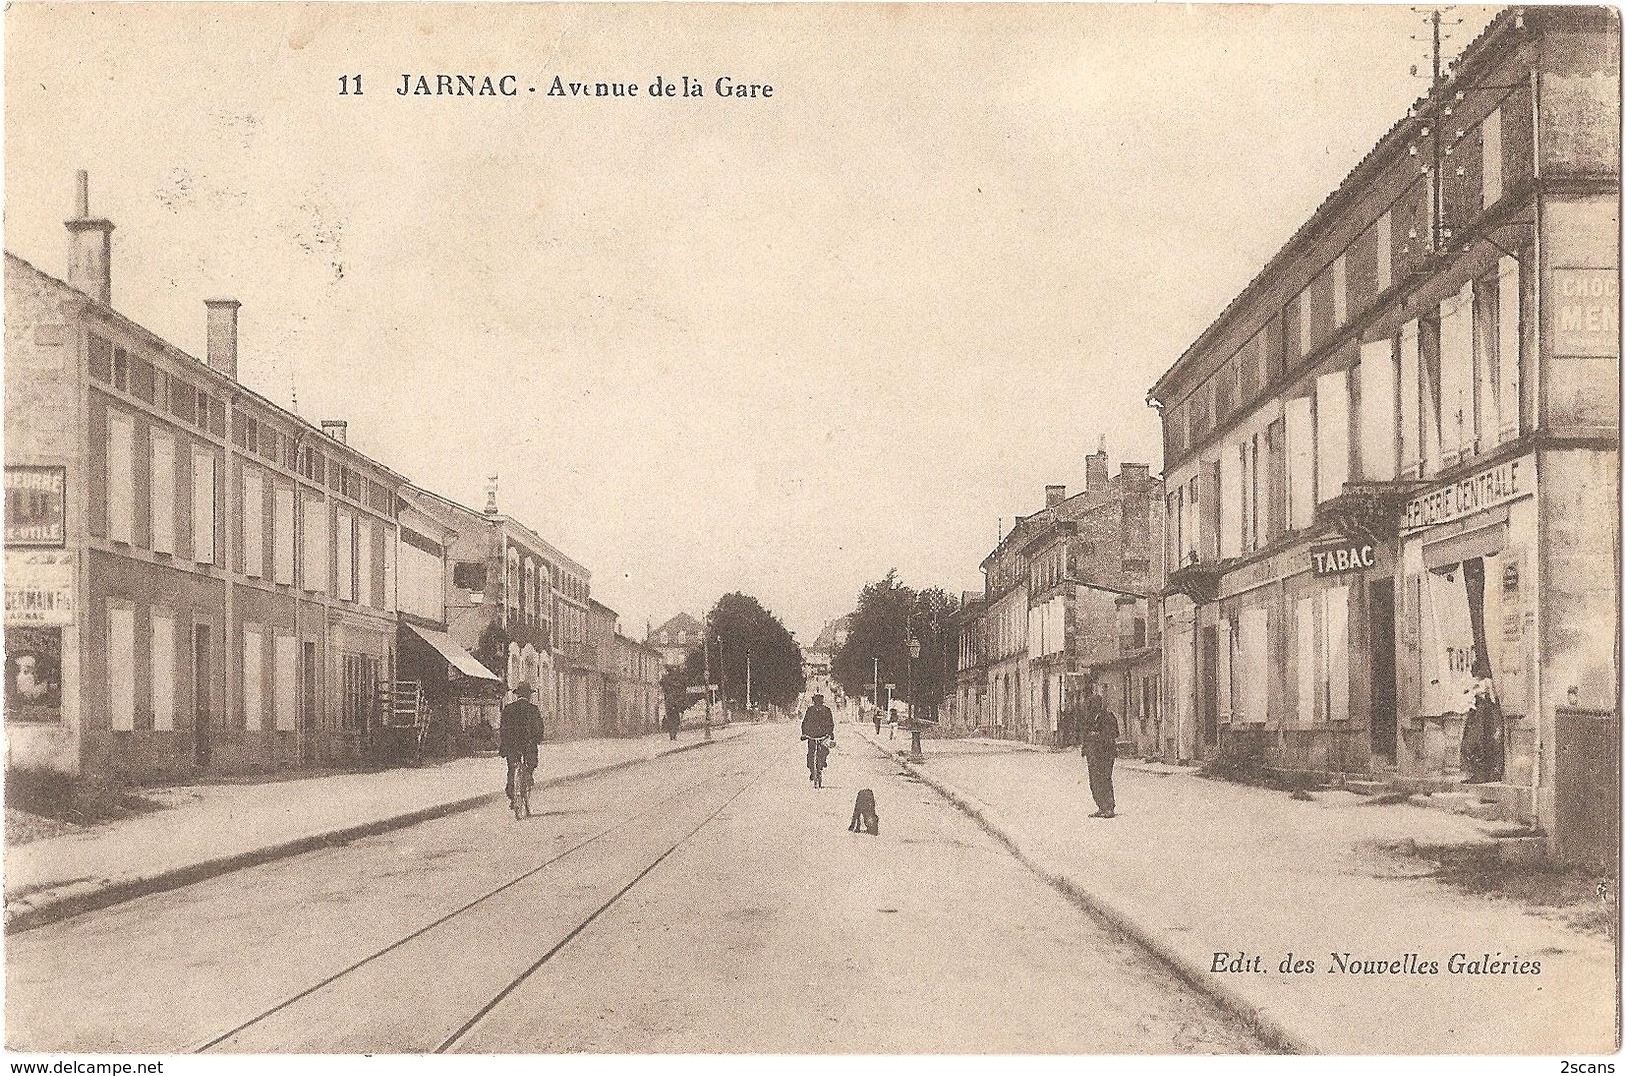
988,529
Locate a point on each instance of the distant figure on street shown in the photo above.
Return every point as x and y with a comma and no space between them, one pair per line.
891,723
520,733
672,722
876,716
1483,739
1100,748
815,727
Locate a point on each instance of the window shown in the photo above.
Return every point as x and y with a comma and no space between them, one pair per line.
121,666
344,548
468,575
358,690
1508,325
1486,368
1410,400
162,493
1428,342
1332,433
253,679
1306,322
121,369
253,523
316,524
1307,681
163,671
101,358
285,681
120,477
202,506
283,536
1377,433
1230,501
1300,448
1456,376
365,592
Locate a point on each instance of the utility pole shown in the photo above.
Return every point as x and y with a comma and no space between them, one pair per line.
705,645
747,678
877,684
1438,133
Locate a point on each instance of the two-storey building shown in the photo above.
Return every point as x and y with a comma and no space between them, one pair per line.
197,579
1392,462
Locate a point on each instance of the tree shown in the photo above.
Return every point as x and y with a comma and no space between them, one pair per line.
738,624
888,614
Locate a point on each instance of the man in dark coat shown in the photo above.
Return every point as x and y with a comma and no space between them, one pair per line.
818,723
520,733
672,722
1100,748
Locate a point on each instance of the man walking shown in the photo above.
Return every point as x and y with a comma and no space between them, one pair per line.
520,733
1100,748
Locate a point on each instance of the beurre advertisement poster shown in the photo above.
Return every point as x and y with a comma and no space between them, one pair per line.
914,536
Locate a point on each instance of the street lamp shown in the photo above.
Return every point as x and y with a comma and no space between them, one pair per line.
914,749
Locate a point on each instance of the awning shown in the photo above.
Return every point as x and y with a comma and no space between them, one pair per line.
455,656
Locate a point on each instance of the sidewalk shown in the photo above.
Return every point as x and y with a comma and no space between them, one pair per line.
1192,868
215,828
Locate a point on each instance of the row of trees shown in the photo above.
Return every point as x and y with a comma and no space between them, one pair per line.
888,615
739,629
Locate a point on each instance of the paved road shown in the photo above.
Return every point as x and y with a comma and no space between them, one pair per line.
708,902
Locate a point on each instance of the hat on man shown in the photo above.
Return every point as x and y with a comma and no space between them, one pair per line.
818,698
524,690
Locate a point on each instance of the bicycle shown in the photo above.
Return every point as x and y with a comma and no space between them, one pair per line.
523,779
820,757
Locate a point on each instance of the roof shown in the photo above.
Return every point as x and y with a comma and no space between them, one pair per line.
91,306
826,638
680,622
1391,144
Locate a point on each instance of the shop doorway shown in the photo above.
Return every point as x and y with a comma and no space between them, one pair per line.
1384,687
307,703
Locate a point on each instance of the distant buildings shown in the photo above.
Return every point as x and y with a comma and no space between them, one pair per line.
675,638
817,658
1392,463
199,581
1069,597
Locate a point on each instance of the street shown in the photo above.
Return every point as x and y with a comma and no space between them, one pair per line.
711,901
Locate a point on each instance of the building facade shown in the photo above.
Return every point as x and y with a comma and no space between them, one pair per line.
1392,463
197,580
1056,591
639,707
675,638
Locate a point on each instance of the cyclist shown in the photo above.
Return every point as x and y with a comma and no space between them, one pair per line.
520,734
818,729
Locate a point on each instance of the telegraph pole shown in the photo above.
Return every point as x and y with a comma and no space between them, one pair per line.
705,645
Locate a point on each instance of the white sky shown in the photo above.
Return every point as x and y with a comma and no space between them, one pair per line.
777,346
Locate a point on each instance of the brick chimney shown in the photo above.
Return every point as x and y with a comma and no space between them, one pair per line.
1054,495
1136,476
337,429
90,248
1096,472
222,343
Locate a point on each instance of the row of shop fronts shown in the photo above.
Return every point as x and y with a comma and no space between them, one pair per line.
1392,464
199,581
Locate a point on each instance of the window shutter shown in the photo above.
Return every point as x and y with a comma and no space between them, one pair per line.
1510,323
1331,434
120,469
163,493
1377,432
121,667
202,506
163,672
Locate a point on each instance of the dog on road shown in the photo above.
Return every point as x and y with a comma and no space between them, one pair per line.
864,817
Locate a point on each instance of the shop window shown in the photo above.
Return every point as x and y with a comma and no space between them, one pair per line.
1334,664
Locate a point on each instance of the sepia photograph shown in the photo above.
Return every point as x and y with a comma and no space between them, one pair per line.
906,531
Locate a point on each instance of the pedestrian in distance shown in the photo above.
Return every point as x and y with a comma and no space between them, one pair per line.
519,734
876,716
671,723
891,723
1100,749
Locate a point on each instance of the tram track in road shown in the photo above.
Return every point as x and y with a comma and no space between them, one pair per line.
400,990
290,1000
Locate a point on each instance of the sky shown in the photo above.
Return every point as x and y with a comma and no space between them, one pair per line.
775,344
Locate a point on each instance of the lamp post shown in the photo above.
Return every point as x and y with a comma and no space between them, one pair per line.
877,684
914,751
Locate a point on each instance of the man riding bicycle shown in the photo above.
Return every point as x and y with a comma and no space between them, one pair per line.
817,728
520,734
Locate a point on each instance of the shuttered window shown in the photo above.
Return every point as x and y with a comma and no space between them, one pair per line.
286,682
1300,448
1378,445
253,523
1331,434
121,667
163,671
202,507
120,477
163,492
283,535
253,678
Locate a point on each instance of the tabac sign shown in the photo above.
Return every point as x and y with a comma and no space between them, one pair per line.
1341,557
1504,482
